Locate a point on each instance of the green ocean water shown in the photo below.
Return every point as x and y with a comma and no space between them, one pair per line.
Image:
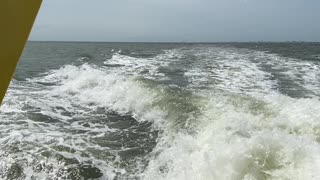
84,110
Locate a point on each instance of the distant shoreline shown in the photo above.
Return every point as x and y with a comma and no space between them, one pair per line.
151,42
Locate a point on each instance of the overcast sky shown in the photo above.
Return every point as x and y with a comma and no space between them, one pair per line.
178,20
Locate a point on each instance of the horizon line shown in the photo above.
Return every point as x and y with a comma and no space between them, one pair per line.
173,42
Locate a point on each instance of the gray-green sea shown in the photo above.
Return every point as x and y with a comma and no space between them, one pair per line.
178,111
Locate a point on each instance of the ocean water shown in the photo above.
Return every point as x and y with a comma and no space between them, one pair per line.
232,111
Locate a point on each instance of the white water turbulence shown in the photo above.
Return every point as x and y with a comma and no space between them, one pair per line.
171,112
259,134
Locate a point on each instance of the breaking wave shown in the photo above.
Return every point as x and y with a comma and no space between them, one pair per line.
233,120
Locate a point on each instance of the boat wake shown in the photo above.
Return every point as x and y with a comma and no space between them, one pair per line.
202,112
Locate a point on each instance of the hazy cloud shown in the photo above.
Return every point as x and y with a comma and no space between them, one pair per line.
178,20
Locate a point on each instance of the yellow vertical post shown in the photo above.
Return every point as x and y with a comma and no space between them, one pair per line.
16,20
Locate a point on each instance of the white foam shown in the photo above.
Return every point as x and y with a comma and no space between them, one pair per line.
303,73
242,71
253,133
86,84
250,131
74,90
229,69
146,66
277,139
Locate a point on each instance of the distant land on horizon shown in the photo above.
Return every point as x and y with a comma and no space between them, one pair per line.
177,42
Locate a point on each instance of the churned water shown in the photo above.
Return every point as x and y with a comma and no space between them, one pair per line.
150,111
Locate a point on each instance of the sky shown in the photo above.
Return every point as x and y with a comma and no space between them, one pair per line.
178,20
